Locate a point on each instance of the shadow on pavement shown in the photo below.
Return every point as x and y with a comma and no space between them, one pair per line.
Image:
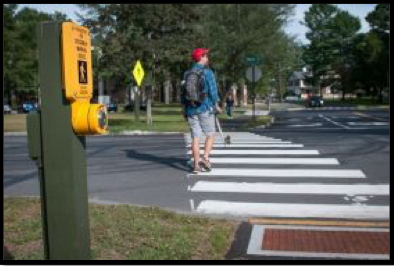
170,161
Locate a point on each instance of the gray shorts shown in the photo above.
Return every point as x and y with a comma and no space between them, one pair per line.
200,123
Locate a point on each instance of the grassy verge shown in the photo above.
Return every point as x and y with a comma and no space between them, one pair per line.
166,118
15,123
361,102
123,232
260,120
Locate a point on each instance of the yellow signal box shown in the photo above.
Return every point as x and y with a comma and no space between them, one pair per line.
77,78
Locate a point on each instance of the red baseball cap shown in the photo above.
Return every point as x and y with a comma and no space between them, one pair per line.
198,53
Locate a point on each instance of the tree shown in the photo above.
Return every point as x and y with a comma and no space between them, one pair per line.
161,36
331,32
378,42
10,51
233,31
20,49
379,19
157,34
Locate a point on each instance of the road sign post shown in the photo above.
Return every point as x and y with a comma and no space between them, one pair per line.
138,73
56,137
253,74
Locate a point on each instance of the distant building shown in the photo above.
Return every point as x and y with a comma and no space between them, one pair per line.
300,84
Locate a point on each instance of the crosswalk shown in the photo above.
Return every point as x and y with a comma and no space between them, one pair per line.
259,176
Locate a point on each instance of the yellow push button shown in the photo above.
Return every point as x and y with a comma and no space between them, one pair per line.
89,119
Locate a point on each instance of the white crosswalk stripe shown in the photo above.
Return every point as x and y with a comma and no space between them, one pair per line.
219,141
261,152
254,209
316,173
259,145
294,188
269,182
306,161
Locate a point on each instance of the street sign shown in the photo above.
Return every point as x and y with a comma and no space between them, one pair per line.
138,73
253,60
253,74
77,62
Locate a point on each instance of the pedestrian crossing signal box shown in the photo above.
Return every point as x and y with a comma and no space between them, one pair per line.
77,79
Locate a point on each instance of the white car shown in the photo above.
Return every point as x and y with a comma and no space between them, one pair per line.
7,109
292,98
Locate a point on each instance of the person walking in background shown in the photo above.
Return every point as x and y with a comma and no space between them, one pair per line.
229,105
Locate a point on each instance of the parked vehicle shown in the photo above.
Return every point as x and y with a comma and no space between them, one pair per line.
292,98
112,107
315,101
27,107
7,109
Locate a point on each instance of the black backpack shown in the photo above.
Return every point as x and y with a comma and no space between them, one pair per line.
193,86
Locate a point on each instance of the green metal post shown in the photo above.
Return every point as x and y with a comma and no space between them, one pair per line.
64,168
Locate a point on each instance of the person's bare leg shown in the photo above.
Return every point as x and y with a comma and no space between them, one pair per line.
196,151
208,146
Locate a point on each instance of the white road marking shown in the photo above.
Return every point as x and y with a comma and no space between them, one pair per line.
192,204
261,152
219,141
266,145
313,161
294,210
317,173
368,123
335,123
300,188
307,125
242,139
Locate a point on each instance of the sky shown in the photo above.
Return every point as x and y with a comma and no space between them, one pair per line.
293,28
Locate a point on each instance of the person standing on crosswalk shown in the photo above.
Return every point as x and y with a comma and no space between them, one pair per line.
199,106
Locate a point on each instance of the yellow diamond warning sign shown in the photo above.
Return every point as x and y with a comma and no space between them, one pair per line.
138,73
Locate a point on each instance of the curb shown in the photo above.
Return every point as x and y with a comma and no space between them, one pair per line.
122,133
338,108
139,133
272,121
7,134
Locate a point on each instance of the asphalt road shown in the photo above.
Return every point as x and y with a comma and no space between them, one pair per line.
152,170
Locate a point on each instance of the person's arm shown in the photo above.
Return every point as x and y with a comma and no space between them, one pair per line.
213,90
183,105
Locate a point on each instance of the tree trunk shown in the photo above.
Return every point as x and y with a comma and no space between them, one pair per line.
245,95
167,92
175,91
100,90
380,95
149,119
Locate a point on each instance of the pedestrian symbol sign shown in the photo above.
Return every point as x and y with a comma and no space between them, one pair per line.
82,66
138,73
76,62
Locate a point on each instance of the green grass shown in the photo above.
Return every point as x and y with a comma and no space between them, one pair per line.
360,102
15,123
166,118
124,232
260,120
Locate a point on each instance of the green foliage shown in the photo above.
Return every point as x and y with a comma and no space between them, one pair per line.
20,47
361,60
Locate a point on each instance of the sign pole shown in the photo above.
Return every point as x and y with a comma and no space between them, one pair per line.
138,73
63,173
254,93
